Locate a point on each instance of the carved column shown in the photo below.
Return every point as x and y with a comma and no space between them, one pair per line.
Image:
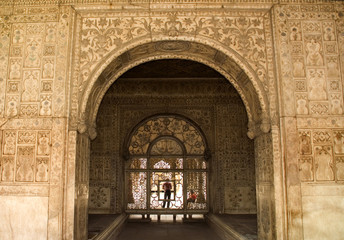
264,186
81,186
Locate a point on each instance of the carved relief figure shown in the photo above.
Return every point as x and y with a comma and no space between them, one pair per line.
336,104
295,33
15,68
45,106
32,58
340,168
7,173
301,107
30,88
48,68
305,143
332,67
42,170
12,106
25,163
298,67
317,84
339,142
314,57
323,163
306,169
328,32
50,33
18,33
43,144
9,143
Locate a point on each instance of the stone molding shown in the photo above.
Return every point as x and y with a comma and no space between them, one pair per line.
165,2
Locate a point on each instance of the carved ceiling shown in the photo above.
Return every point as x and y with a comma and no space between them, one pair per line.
171,68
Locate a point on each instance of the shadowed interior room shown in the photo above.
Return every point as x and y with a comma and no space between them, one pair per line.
161,118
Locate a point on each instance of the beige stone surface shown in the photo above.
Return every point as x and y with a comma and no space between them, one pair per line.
23,217
323,212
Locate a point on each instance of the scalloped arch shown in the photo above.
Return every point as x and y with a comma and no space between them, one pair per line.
174,126
224,60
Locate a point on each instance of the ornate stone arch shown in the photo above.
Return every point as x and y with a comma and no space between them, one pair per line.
248,66
174,124
225,60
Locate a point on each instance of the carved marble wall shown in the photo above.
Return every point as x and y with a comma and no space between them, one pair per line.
212,103
311,71
33,122
285,60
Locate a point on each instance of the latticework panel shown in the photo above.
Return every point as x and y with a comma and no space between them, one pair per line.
158,198
137,194
197,183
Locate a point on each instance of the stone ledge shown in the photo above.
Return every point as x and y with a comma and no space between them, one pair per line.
113,229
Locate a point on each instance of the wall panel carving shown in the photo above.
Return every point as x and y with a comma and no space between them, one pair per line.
33,77
25,156
320,152
312,62
310,71
37,71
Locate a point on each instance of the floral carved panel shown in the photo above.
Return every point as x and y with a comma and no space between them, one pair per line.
26,156
37,66
320,151
310,39
244,33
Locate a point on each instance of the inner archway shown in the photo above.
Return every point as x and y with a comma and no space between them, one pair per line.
172,88
239,73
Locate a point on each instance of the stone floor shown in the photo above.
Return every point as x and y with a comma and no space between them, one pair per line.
244,224
98,222
166,229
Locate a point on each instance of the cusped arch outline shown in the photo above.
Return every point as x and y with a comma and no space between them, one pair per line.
166,126
224,60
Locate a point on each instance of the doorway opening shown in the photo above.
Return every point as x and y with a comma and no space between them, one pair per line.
167,167
177,121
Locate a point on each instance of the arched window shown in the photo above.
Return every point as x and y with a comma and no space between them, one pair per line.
168,150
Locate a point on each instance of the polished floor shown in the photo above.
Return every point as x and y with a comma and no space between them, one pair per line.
98,223
167,231
166,228
244,224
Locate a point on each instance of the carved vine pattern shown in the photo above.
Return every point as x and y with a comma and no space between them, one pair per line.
100,36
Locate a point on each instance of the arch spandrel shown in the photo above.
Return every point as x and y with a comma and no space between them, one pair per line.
160,129
241,35
251,92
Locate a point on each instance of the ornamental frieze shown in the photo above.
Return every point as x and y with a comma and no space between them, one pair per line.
101,35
